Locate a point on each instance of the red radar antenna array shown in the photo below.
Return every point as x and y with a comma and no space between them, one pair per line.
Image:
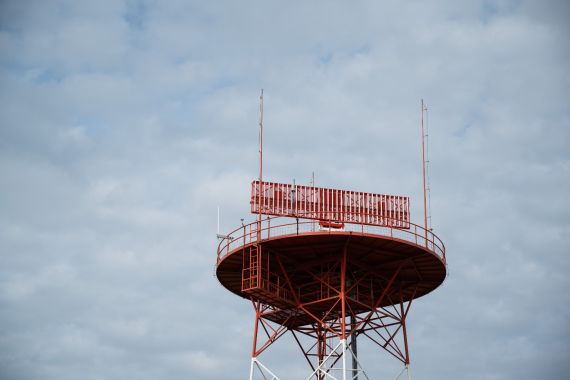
327,265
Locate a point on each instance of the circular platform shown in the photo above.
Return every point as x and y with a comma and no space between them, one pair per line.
299,263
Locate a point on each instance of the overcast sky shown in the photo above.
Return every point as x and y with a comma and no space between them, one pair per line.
123,124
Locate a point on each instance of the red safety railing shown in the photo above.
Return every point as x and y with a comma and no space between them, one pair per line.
273,227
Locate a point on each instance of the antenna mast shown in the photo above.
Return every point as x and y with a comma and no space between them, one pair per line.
428,185
424,108
260,158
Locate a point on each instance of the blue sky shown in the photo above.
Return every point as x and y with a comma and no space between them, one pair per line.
124,124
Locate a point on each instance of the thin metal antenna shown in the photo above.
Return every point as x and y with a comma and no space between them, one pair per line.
424,172
218,234
260,164
427,172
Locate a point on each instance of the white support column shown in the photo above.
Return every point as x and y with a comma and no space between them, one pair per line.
251,369
263,370
343,342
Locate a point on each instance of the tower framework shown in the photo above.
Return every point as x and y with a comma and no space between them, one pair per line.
329,265
329,277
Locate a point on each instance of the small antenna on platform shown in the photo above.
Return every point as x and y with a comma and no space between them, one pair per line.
260,153
428,186
424,108
218,235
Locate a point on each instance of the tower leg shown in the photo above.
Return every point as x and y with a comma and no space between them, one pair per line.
354,349
251,368
344,359
343,309
255,331
403,315
256,365
321,349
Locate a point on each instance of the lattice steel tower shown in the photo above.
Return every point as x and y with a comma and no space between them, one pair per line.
330,265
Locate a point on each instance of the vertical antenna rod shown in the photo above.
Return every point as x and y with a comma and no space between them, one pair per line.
260,159
428,185
424,108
